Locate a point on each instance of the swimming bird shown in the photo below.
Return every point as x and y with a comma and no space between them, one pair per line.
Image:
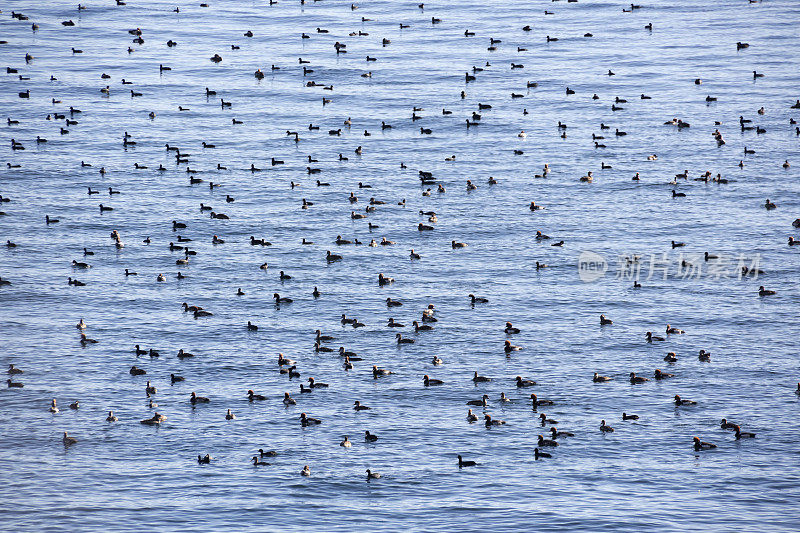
488,421
701,445
508,347
659,375
545,420
546,442
430,382
679,401
307,421
480,379
482,402
378,372
537,454
462,463
252,396
521,383
195,399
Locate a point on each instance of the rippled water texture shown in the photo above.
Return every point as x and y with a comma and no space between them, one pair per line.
644,476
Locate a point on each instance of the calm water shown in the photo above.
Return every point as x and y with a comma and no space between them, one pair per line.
644,476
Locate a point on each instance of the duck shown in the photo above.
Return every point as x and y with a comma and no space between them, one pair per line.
173,379
401,340
252,396
724,424
288,400
229,415
155,420
545,420
659,375
704,356
765,292
284,361
14,370
522,383
605,428
281,300
488,421
471,417
423,327
477,299
53,409
111,417
259,462
626,416
651,338
679,401
605,321
316,385
68,441
634,379
537,454
182,354
482,402
508,347
346,442
463,464
701,445
377,372
357,406
372,475
430,382
597,378
195,399
510,329
674,331
369,437
546,442
307,421
480,379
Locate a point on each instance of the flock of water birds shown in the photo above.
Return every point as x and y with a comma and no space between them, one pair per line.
548,433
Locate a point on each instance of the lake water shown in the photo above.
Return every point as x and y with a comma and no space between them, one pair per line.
644,476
